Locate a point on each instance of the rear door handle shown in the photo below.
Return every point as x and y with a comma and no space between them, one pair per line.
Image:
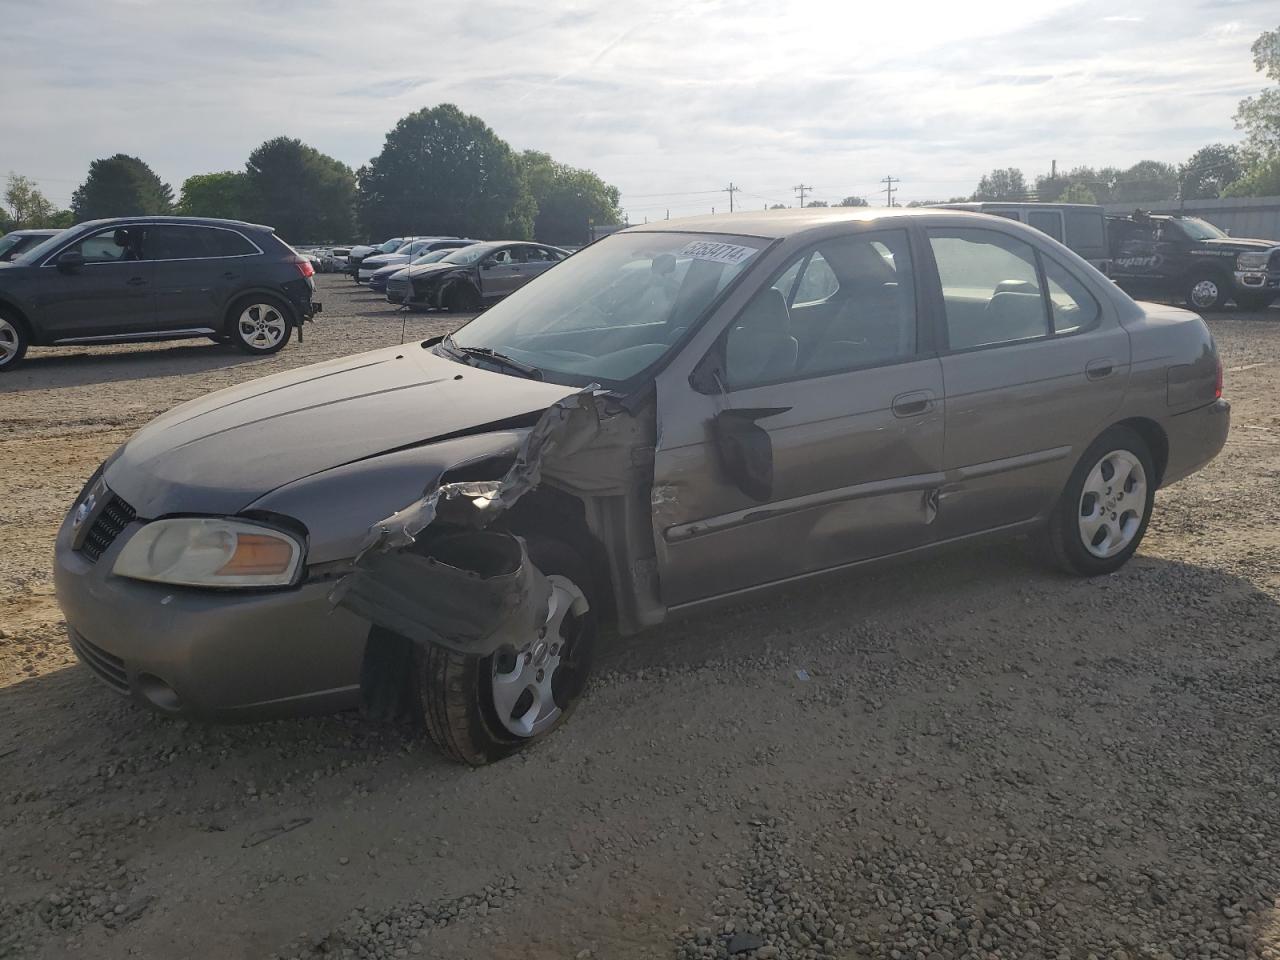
1099,369
913,404
137,281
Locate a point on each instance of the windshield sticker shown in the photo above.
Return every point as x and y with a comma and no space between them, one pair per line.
727,253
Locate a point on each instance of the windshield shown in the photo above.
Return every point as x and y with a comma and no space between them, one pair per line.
391,246
1198,229
616,307
11,242
433,257
40,249
465,255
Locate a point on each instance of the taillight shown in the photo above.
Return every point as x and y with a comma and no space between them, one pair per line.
1217,382
304,266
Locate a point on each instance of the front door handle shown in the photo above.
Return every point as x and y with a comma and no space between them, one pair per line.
1099,369
913,404
136,281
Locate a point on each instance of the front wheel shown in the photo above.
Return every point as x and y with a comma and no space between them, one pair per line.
461,299
260,325
481,709
13,342
1104,510
1206,291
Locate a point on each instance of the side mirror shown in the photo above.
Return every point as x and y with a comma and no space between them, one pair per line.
70,262
745,450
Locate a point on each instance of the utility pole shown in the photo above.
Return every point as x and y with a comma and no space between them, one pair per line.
1053,169
731,190
889,187
801,189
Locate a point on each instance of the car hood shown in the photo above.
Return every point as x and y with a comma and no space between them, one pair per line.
383,259
425,270
218,454
1239,243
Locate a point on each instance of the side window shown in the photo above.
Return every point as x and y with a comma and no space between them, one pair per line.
499,258
990,288
108,246
856,309
1046,221
174,242
228,243
1073,306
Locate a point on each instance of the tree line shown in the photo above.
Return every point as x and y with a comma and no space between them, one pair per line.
1250,169
439,170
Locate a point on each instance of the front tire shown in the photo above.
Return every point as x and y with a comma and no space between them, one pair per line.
259,324
1206,291
481,709
13,342
461,299
1103,512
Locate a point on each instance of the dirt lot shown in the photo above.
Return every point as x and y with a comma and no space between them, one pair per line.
966,757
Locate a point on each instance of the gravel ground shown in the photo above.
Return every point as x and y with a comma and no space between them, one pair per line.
966,757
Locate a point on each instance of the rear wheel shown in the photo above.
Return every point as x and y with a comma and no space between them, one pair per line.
260,324
13,342
1206,291
1104,510
481,709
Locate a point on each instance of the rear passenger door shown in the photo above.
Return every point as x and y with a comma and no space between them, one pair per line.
1032,369
197,269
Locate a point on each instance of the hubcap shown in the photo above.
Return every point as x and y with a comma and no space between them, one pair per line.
8,341
262,326
1205,293
1112,504
522,679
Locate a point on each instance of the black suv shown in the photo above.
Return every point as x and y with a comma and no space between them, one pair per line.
155,278
1154,255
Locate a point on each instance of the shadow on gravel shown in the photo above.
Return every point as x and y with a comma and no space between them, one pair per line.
46,368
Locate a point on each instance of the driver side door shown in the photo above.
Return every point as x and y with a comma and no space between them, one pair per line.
110,296
801,444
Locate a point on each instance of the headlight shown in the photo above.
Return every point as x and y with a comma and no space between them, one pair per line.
1252,261
207,552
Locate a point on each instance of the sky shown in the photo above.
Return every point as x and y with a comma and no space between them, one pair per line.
669,101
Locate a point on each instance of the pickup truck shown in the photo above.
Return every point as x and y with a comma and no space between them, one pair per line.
1175,257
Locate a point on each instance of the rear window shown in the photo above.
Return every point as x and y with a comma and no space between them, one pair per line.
1046,221
228,243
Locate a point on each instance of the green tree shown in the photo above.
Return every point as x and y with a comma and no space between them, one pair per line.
1146,180
817,203
853,202
1005,184
1100,183
1259,116
1210,170
1077,192
306,195
120,186
28,208
224,195
778,206
1260,179
443,171
566,199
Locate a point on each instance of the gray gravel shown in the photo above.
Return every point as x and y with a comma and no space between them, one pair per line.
966,757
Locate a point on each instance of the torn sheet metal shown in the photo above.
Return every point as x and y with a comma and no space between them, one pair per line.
473,592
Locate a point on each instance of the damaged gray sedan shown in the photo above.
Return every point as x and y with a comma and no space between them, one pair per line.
680,414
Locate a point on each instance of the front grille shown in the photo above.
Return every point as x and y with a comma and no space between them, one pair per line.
115,516
110,670
397,290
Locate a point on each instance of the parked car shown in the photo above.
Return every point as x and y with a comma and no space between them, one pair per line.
16,241
474,276
1189,259
1081,226
378,281
155,278
668,422
409,252
356,255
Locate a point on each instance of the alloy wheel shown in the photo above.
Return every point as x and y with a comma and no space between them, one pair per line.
262,326
523,696
1204,293
1112,504
9,342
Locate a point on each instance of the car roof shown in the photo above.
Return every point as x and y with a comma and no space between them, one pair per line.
35,232
776,224
188,221
980,205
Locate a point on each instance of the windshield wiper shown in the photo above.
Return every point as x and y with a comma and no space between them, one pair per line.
487,353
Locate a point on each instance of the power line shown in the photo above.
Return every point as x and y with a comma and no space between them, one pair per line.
889,188
801,189
731,190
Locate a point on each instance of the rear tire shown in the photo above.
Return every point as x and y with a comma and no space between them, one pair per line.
259,324
1103,512
456,692
1206,290
13,341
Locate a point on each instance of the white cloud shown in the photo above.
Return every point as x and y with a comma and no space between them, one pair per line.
673,98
